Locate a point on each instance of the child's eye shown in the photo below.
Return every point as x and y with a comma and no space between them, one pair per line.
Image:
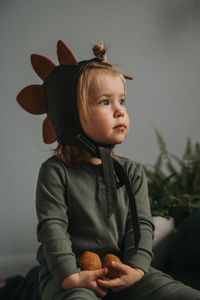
105,102
122,101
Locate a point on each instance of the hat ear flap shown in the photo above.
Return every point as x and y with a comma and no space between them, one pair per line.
31,98
65,56
42,65
48,132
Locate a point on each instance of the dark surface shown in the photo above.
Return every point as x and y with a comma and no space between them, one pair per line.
183,257
22,288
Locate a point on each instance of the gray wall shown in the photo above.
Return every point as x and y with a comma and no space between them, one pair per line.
156,41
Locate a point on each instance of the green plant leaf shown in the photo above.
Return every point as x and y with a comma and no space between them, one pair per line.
174,192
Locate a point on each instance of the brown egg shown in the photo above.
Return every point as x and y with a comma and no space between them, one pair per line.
112,273
90,261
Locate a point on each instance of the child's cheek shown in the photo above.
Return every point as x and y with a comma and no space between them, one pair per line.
128,124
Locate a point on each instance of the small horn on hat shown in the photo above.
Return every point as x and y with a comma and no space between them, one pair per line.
31,98
48,132
42,65
128,77
65,56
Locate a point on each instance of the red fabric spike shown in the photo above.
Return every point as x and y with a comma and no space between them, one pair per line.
42,65
49,135
65,56
31,98
128,77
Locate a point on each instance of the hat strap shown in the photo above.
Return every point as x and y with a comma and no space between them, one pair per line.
123,177
110,182
109,166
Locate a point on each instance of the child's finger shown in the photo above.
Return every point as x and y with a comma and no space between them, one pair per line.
104,289
100,273
110,283
120,266
105,278
101,291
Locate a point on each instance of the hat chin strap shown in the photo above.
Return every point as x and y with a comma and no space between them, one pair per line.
109,166
89,145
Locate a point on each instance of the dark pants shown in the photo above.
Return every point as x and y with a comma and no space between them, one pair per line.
155,285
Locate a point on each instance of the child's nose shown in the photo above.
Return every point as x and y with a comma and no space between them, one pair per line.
118,113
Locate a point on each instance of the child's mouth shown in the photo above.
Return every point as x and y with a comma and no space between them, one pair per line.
121,126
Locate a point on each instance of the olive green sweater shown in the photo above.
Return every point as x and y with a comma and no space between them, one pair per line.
71,206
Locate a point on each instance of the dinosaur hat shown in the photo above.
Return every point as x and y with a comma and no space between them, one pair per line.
56,97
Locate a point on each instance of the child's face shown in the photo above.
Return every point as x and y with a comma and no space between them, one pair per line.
107,110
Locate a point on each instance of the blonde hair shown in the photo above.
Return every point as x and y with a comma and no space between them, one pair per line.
72,155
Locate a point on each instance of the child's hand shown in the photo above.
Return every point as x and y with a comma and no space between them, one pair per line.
86,279
127,277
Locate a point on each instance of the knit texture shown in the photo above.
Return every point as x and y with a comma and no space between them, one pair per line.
71,210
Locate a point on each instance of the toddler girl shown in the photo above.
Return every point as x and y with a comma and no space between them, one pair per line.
88,198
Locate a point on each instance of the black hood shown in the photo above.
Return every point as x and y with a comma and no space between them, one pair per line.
61,105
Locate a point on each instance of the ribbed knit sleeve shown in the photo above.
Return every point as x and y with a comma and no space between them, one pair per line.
143,257
51,205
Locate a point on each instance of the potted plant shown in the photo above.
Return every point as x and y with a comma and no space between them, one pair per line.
174,190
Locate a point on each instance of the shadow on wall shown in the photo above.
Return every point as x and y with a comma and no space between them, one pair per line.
174,16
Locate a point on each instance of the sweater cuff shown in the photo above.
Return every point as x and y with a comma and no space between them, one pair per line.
140,261
64,270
